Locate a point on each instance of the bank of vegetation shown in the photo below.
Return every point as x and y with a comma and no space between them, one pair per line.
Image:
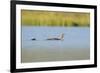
53,18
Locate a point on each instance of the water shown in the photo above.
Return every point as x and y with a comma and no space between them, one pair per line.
75,46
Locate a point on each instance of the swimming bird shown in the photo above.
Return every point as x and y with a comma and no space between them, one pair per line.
33,39
61,37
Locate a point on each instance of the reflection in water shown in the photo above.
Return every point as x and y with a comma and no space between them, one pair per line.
75,46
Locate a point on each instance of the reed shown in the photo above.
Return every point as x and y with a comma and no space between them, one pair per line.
53,18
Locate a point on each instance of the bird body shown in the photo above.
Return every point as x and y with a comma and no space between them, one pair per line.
61,37
33,39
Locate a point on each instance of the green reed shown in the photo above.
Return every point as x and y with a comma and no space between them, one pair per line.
53,18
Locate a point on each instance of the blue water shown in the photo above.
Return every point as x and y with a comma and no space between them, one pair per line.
76,39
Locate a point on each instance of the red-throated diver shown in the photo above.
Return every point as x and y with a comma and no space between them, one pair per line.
61,37
33,39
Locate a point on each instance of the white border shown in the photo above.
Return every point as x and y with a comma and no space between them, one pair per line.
20,65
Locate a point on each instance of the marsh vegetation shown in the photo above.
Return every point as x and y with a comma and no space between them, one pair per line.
53,18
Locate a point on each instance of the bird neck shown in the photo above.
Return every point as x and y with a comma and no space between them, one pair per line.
61,36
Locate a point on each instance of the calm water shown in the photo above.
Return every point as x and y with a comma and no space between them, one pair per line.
75,46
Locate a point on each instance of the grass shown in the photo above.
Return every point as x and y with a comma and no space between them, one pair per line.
53,18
